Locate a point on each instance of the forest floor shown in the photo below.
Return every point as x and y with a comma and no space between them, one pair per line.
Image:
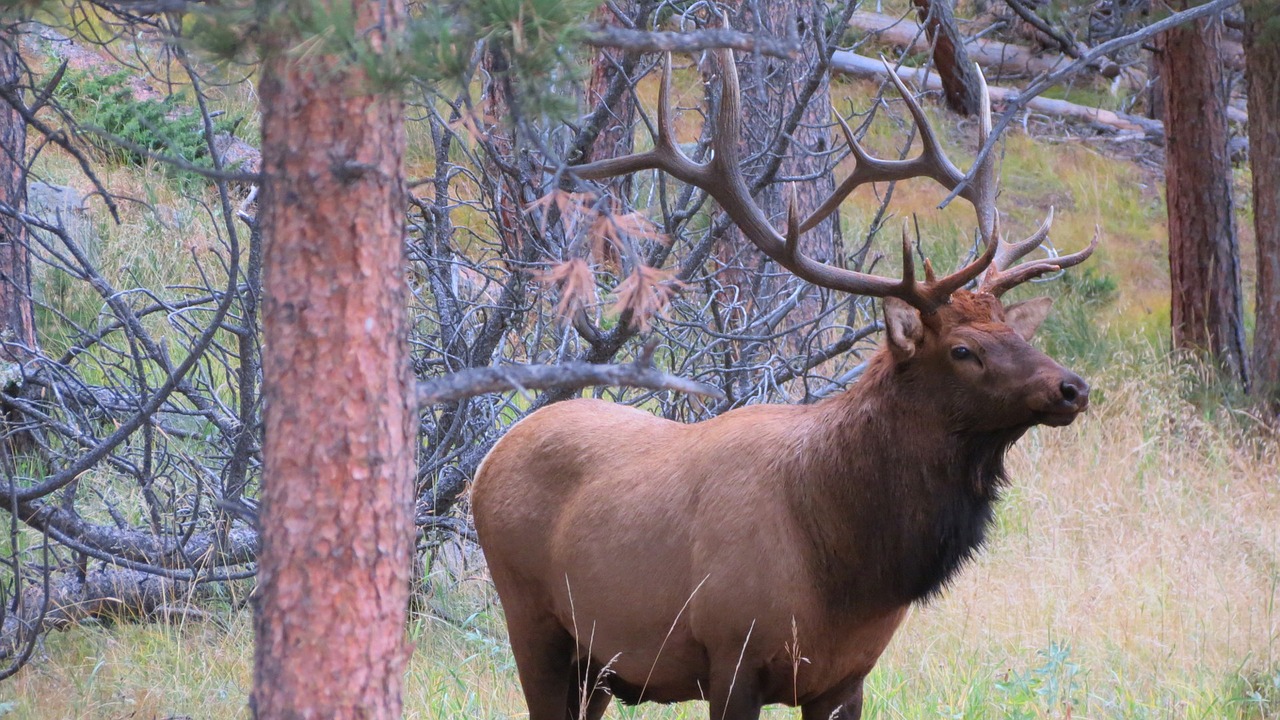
1133,573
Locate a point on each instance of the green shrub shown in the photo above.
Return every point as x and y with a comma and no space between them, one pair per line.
107,107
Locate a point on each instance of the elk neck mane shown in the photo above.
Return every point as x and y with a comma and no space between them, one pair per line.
894,498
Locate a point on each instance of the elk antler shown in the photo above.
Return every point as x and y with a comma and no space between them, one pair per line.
1003,275
721,177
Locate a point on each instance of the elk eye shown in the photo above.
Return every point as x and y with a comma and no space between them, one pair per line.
961,352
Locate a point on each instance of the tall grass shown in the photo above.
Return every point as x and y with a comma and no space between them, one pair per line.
1133,573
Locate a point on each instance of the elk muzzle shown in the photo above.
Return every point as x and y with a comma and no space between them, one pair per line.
1067,397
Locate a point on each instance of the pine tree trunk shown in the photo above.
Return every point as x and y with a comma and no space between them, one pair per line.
337,520
1262,59
616,136
1203,252
16,318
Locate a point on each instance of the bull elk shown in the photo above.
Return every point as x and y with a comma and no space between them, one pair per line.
768,555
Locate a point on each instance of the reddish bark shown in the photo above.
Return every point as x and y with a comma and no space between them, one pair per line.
959,75
337,521
509,197
1262,57
615,138
1203,252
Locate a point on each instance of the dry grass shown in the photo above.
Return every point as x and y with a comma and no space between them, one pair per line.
1133,573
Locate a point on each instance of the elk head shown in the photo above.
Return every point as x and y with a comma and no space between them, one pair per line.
973,357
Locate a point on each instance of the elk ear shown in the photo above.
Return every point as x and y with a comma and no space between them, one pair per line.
1025,317
904,327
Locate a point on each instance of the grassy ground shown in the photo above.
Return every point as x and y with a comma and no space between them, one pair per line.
1134,573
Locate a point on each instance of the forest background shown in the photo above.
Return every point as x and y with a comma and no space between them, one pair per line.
1133,572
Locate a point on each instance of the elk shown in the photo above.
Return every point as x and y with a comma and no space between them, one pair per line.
767,555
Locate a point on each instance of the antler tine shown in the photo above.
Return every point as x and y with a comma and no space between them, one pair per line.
908,262
665,155
722,178
1004,275
1010,253
664,103
933,162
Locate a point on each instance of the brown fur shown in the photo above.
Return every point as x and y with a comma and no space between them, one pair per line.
766,555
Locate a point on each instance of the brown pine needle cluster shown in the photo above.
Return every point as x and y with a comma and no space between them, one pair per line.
645,294
606,236
576,282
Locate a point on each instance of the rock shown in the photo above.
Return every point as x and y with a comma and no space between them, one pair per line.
60,206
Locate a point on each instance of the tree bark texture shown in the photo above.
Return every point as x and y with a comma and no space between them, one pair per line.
616,137
1262,58
1203,251
770,88
497,104
959,76
337,509
17,321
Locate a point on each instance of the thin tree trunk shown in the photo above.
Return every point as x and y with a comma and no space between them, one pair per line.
497,121
1262,58
616,138
337,510
16,316
1204,258
770,88
959,75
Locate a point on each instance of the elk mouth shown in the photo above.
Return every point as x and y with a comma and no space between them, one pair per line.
1062,413
1057,418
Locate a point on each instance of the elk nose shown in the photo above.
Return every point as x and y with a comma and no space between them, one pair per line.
1075,391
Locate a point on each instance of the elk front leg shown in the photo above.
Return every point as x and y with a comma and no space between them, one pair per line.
544,654
843,703
735,691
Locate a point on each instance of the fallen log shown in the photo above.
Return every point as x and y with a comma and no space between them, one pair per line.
999,59
861,66
70,599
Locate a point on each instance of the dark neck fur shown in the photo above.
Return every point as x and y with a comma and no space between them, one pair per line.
909,500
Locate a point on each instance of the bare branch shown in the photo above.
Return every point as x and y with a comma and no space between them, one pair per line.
691,41
478,381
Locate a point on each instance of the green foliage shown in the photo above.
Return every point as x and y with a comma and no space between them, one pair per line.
106,105
1072,333
1043,691
1257,696
1264,15
532,42
222,31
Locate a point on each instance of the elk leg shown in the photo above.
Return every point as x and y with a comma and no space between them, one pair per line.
544,660
844,703
735,693
590,689
597,703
